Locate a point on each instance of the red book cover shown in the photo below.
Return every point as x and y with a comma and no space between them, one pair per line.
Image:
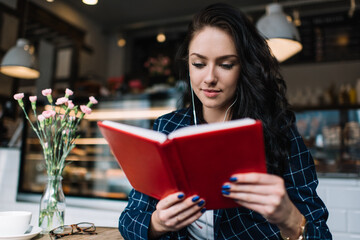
194,159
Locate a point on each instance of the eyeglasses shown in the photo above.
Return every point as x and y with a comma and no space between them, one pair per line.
79,228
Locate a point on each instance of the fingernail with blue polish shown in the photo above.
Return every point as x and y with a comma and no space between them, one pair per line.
201,203
225,192
194,199
203,210
226,187
233,179
181,195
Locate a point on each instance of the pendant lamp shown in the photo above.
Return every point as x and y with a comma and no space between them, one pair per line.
281,35
90,2
20,62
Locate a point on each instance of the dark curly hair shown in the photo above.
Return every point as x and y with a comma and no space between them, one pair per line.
260,88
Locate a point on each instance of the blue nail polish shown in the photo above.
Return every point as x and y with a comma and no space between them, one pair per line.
194,199
181,195
201,203
233,179
203,210
226,187
225,192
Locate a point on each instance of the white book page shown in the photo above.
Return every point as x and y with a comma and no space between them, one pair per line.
143,132
192,130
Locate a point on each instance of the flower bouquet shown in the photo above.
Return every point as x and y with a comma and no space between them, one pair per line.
56,130
159,66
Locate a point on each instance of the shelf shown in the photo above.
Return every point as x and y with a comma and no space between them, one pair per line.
129,114
80,141
72,158
337,129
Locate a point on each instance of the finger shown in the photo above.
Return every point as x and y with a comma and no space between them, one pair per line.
168,216
255,178
272,200
195,207
170,200
255,188
192,218
185,208
182,218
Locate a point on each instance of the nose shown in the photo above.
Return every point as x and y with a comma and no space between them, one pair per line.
211,76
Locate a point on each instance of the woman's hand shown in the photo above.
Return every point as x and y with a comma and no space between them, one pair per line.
265,194
175,212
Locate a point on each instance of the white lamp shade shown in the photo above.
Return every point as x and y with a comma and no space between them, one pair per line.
283,48
19,62
282,36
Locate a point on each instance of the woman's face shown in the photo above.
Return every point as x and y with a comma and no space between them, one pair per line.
214,68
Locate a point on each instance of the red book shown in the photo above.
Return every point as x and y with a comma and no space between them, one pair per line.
194,159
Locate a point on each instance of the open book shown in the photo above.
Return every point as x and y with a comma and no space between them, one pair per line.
194,159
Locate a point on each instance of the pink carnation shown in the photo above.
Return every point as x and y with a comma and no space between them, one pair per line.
85,109
46,92
48,114
70,104
41,118
61,100
93,100
33,98
18,96
69,92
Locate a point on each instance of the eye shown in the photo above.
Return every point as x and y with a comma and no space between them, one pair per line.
198,65
227,66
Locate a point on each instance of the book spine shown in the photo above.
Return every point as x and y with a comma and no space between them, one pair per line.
174,163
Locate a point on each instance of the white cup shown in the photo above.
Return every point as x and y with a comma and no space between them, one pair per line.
13,223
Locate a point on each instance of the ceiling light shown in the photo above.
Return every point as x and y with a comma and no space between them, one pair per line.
20,62
161,37
342,40
121,42
281,35
90,2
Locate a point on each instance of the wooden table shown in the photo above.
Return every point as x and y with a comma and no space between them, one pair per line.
102,233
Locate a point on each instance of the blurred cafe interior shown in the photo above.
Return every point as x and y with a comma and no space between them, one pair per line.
122,53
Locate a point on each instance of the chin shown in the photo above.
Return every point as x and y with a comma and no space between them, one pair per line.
213,105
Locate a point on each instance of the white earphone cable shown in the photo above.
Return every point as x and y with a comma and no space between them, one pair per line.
229,109
193,103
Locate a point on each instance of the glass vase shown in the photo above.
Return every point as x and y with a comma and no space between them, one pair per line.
52,205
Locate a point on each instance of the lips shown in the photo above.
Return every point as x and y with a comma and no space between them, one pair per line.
211,93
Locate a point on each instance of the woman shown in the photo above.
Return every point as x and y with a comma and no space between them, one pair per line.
233,75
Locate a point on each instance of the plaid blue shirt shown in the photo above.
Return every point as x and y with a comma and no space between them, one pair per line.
238,223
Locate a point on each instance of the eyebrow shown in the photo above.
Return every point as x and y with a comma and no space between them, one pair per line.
219,58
